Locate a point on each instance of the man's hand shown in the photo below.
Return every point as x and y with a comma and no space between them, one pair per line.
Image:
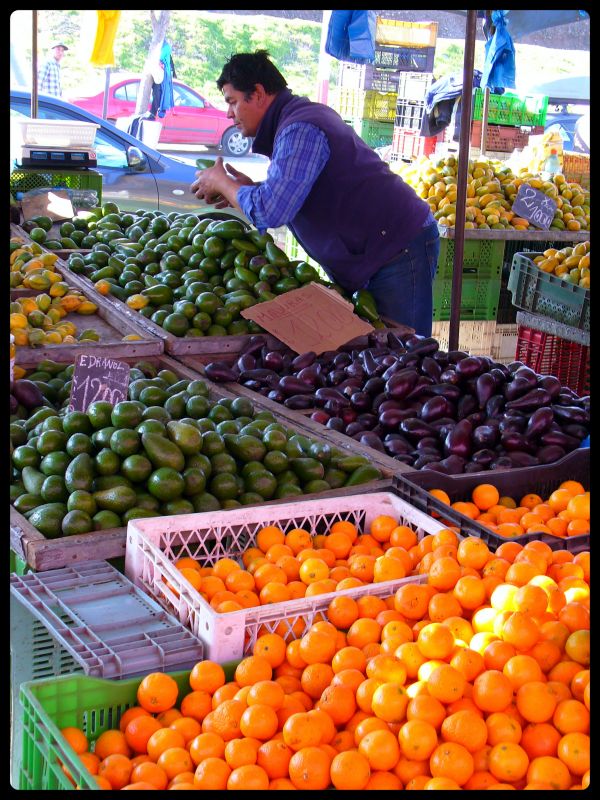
218,185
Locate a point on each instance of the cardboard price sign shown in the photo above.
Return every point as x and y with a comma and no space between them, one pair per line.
309,318
533,205
98,378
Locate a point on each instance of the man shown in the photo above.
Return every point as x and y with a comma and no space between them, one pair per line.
351,214
49,74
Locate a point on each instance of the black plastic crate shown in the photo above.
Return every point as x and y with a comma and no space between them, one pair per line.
409,114
542,480
405,59
507,313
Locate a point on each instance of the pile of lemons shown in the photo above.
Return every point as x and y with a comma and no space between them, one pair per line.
572,264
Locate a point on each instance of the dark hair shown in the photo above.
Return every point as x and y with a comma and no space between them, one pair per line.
244,70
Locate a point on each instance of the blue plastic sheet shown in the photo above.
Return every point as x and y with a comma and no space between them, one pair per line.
499,65
351,36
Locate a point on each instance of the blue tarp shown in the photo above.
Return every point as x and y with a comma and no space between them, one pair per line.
499,64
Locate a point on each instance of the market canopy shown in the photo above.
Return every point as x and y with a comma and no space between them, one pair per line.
571,89
521,23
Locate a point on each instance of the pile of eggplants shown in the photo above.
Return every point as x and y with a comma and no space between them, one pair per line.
443,411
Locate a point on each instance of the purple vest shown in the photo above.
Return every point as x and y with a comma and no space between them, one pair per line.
359,215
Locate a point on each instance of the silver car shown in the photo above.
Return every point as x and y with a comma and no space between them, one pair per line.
134,175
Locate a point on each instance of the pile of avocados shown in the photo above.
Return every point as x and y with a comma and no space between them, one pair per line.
195,273
168,449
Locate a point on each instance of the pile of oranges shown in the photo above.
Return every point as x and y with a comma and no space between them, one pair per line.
565,513
477,678
286,566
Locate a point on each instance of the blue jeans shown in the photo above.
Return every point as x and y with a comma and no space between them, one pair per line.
403,288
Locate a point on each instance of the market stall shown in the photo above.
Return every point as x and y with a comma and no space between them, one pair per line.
239,562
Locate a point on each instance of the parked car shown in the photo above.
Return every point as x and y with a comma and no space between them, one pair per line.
134,175
191,120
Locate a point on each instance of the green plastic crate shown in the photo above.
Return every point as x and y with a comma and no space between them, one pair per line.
93,704
373,132
17,564
512,109
548,295
24,179
479,298
482,258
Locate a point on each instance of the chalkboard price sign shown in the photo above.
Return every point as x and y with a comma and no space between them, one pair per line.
98,378
533,205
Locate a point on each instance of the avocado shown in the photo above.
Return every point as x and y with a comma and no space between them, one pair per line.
27,502
33,480
106,520
363,474
187,437
80,473
162,452
307,469
245,448
76,522
54,490
166,484
47,519
118,499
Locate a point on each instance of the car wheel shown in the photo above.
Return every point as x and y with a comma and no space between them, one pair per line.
234,144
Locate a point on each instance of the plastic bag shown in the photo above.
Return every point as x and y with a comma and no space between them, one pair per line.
351,36
80,198
499,66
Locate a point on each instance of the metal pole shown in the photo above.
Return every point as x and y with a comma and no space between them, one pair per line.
324,62
463,168
34,61
106,88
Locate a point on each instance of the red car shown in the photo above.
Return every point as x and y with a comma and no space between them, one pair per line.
192,120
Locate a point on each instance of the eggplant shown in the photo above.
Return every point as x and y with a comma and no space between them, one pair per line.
245,362
368,420
354,427
477,418
290,385
454,356
261,374
450,376
578,431
287,362
393,417
520,458
348,415
453,464
448,390
430,367
502,462
336,424
335,376
356,370
539,422
416,429
485,436
405,459
469,367
458,441
445,430
361,401
409,360
401,383
436,408
514,366
14,404
531,401
277,395
336,407
567,398
438,424
372,368
485,388
388,360
513,440
342,360
310,375
499,375
527,373
371,439
483,457
466,405
551,384
550,453
428,441
561,439
256,386
303,360
217,371
378,400
473,466
298,401
273,360
253,346
348,386
516,388
374,386
397,447
394,343
428,461
320,416
561,413
387,404
512,425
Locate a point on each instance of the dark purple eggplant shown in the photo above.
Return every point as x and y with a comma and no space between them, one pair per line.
445,430
428,441
484,457
267,376
397,447
14,404
485,436
561,439
361,401
453,464
310,375
502,462
320,416
401,383
513,440
469,367
217,371
550,453
372,368
348,415
458,441
448,390
495,406
566,397
336,424
348,386
336,407
466,405
354,427
409,360
514,366
422,388
516,388
578,431
499,376
405,458
529,374
368,420
298,401
342,360
273,360
438,424
512,425
473,466
416,429
394,343
387,404
371,439
531,401
256,386
356,370
303,360
477,418
335,377
277,395
374,386
429,461
551,384
391,369
423,347
571,414
378,400
245,362
254,345
520,458
485,388
430,367
450,376
290,385
436,408
388,360
539,422
393,417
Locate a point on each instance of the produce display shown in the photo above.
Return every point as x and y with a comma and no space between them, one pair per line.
445,411
565,512
477,678
193,276
169,449
37,321
572,264
491,189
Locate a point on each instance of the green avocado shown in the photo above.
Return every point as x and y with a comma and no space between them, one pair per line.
118,499
162,452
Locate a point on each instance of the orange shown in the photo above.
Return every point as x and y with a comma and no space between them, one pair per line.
466,728
252,669
149,773
403,536
382,527
559,500
387,568
549,770
339,544
313,569
268,536
76,738
574,487
91,762
206,745
485,496
207,676
386,668
259,721
188,727
540,739
309,768
212,773
411,600
139,731
110,743
116,769
346,527
103,783
268,693
577,527
167,717
174,761
520,630
350,771
469,662
362,567
239,581
317,647
131,713
224,720
389,702
315,679
380,748
157,692
274,757
444,573
435,641
521,669
571,716
574,751
363,631
298,539
452,761
578,506
469,591
339,703
501,727
536,702
418,739
508,762
492,691
446,683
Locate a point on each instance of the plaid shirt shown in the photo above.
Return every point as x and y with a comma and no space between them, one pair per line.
300,153
49,78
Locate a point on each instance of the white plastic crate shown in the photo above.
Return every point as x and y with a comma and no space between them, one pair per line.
153,545
480,338
57,133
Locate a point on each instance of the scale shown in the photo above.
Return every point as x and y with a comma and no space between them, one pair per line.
57,157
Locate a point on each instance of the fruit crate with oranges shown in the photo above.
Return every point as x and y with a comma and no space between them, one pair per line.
154,545
542,480
89,618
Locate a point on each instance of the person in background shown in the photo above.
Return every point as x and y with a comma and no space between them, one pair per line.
49,74
361,222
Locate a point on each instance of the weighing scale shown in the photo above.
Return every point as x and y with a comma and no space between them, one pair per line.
57,157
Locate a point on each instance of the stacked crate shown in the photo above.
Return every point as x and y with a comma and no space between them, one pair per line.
367,94
512,118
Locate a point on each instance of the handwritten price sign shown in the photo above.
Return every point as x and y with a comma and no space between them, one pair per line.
98,378
535,206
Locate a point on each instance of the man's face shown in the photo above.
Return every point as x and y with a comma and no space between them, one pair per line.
247,114
58,52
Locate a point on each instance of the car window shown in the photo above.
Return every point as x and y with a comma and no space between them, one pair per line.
128,92
183,97
109,152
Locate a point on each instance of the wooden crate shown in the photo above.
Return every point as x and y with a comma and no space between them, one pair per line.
41,553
